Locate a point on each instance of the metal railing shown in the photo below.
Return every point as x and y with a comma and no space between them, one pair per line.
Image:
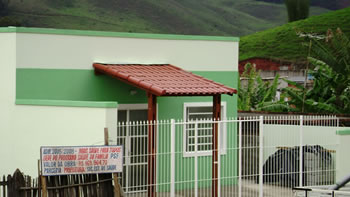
259,156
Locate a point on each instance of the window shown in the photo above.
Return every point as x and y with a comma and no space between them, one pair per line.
199,133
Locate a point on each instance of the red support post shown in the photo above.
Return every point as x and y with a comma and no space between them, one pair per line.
152,133
215,133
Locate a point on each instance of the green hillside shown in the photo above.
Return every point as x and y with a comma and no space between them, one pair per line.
332,5
205,17
282,43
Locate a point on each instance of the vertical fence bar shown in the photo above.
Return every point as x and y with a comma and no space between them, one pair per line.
240,158
301,152
261,137
219,156
196,159
127,127
172,162
337,122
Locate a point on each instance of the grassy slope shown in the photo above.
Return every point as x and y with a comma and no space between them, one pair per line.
205,17
283,43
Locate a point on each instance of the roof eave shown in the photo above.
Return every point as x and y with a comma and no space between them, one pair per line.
150,88
100,69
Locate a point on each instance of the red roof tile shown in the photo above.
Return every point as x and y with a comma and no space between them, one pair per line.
164,79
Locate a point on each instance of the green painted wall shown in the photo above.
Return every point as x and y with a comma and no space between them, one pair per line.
185,166
75,85
67,103
170,107
84,85
228,78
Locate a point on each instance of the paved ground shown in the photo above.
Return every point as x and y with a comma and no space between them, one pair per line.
249,189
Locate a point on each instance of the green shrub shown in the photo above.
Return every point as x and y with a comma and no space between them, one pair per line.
6,21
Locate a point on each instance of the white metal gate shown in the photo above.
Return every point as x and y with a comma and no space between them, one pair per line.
133,136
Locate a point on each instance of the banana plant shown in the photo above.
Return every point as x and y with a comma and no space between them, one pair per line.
330,93
258,95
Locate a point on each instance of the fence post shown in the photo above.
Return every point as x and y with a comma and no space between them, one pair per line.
172,158
219,156
39,178
261,155
116,188
3,183
240,158
9,183
116,185
15,183
196,159
301,158
44,186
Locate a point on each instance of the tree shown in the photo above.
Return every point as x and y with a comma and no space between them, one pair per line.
334,53
297,9
330,60
6,21
330,93
257,95
318,99
4,7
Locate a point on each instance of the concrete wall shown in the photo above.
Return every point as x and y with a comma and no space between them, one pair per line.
7,99
79,52
35,126
288,136
343,159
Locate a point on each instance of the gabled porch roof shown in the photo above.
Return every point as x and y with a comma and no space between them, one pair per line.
164,79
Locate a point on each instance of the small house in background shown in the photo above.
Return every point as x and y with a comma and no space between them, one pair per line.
269,68
53,93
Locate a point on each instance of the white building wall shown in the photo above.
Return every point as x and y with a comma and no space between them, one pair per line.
289,136
111,122
24,128
35,126
79,52
343,159
7,97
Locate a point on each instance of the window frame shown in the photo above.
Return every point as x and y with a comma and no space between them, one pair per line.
222,132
